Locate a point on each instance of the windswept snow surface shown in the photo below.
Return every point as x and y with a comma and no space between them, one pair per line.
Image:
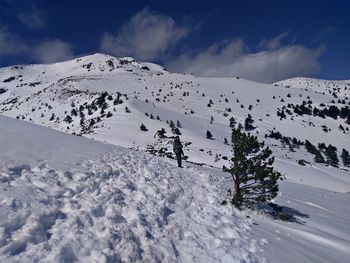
124,206
27,143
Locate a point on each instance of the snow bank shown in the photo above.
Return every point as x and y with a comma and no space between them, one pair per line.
27,143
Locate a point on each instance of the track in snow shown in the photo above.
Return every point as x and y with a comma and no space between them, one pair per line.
124,207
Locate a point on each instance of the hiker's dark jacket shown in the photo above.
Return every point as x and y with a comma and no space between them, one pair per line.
177,147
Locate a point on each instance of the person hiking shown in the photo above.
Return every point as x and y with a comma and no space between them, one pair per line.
177,148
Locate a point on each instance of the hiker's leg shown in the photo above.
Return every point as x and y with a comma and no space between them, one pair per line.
178,157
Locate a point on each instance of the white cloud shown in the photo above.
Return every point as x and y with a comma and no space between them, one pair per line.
147,35
230,58
273,43
48,51
33,19
11,44
52,51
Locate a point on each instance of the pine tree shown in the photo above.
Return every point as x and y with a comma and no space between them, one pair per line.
52,117
176,131
68,119
331,154
232,122
92,123
347,120
225,141
248,123
143,127
209,135
319,158
254,178
310,147
74,112
345,157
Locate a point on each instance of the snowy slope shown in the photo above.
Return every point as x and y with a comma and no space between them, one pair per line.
27,144
94,91
340,88
47,94
124,206
128,206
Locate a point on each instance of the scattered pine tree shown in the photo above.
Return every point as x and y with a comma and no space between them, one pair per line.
68,119
225,141
209,135
143,127
332,157
178,124
345,157
232,122
248,123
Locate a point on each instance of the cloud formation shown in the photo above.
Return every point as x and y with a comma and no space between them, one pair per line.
33,19
231,58
24,11
48,51
272,43
52,51
147,35
11,44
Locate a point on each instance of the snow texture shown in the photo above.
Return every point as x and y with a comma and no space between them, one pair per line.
124,206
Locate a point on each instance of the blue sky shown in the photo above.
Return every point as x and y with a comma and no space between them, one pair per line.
260,40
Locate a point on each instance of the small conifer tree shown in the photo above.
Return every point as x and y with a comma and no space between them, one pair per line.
143,127
232,122
332,157
254,178
68,119
319,158
345,157
248,123
74,112
209,135
225,141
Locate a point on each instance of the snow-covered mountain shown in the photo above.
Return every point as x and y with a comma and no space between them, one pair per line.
89,96
107,99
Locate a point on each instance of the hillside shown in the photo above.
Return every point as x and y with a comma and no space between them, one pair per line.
113,204
108,98
335,88
165,213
